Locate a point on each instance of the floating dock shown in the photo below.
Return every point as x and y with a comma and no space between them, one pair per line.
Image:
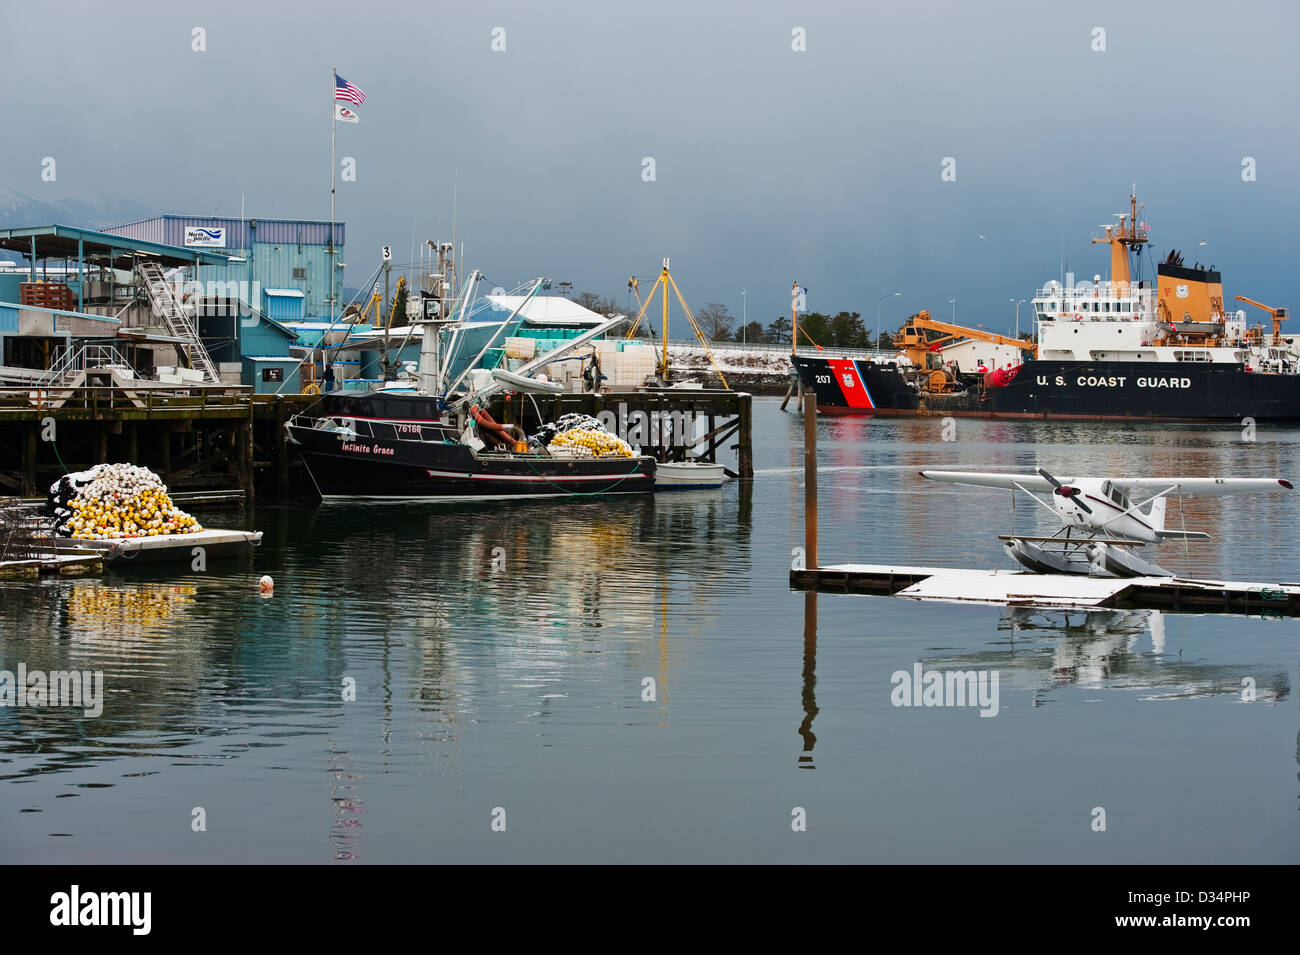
67,565
1021,589
168,547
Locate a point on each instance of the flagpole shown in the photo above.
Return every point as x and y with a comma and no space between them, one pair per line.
334,89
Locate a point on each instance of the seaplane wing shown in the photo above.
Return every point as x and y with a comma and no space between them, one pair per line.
1137,488
1196,486
1030,482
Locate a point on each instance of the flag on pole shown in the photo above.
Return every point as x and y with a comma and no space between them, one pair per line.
347,92
799,299
345,114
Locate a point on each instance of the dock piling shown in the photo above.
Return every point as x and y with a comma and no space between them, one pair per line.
810,485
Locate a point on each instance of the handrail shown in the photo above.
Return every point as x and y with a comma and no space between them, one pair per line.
97,400
83,358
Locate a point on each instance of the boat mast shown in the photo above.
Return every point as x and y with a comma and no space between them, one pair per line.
663,368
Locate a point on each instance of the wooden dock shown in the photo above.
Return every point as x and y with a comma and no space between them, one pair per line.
728,415
197,439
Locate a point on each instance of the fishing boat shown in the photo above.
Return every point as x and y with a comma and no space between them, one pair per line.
1114,349
431,443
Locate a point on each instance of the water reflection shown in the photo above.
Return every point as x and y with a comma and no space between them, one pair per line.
455,616
809,695
1042,650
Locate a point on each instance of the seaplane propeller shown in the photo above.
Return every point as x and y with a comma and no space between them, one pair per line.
1065,490
1129,514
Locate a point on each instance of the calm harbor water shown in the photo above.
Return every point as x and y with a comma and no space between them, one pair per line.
500,655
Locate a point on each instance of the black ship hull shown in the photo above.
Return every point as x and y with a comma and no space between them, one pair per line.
1104,390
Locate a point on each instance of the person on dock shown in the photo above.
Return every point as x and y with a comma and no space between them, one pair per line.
329,378
592,375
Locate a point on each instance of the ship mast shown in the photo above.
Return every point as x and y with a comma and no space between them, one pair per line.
1121,238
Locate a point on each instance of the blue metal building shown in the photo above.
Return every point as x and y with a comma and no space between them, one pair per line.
274,254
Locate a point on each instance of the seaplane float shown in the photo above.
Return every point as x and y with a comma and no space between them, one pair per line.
1103,519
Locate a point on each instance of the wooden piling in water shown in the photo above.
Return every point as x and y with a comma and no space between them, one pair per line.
810,485
280,443
745,442
789,391
29,453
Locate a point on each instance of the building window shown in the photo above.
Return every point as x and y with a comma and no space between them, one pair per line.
300,273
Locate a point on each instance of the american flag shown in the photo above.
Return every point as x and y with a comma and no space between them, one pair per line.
345,91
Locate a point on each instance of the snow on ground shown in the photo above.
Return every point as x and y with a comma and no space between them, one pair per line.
730,360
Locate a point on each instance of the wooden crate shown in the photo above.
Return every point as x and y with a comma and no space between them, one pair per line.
46,295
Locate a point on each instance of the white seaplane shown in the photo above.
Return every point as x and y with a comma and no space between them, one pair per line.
1102,518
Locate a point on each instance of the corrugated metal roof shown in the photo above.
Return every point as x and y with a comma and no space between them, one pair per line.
61,241
240,233
62,312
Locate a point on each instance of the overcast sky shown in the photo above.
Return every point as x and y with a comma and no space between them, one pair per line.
772,165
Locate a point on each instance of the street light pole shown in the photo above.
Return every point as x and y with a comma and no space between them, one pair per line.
876,344
744,318
1018,304
954,310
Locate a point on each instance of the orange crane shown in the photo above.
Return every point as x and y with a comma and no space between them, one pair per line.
923,351
1279,314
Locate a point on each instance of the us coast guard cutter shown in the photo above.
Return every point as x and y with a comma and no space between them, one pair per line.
1102,519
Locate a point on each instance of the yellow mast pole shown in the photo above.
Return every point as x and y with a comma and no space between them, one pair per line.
663,278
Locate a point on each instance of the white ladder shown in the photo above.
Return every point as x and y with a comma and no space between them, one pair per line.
168,306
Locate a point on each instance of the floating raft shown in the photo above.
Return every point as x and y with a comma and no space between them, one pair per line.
167,547
1021,589
69,565
681,475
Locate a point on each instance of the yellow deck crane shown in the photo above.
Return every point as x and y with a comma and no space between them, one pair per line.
920,350
662,284
363,315
1278,314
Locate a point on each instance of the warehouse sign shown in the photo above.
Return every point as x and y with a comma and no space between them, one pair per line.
207,238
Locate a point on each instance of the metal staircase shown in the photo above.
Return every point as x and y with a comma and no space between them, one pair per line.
73,361
179,325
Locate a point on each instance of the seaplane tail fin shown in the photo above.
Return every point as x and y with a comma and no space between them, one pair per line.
1157,515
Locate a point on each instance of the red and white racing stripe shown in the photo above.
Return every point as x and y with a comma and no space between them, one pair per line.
854,389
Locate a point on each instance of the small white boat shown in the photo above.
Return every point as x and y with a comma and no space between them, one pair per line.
526,383
680,475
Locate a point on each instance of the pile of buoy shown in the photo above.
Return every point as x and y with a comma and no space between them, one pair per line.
590,443
116,502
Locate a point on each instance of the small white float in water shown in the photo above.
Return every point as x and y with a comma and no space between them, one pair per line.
680,475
